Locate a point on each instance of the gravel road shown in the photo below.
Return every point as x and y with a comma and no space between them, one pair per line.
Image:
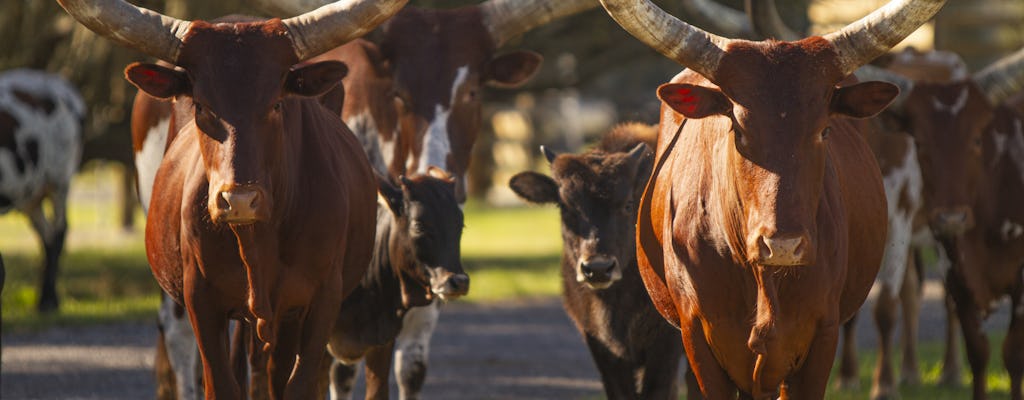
521,350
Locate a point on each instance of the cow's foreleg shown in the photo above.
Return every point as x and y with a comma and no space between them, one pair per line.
51,234
661,367
210,326
412,348
343,380
910,297
885,321
316,329
810,381
616,373
1013,345
848,378
378,367
713,381
970,325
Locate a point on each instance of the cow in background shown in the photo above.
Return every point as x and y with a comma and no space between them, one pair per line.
262,209
765,199
416,257
971,149
597,192
414,98
41,118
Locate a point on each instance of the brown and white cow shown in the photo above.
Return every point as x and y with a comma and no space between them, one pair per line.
416,258
971,150
763,225
262,209
597,192
414,98
40,147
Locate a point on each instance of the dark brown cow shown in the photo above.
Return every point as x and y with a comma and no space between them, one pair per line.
263,206
414,98
763,224
416,258
597,192
971,151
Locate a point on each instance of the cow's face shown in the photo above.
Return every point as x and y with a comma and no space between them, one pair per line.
425,244
442,59
780,98
238,78
948,122
597,194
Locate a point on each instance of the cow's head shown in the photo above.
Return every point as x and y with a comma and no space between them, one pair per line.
951,123
597,194
425,242
239,78
778,100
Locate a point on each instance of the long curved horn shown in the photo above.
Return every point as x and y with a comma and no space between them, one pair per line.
765,19
1003,78
873,73
336,23
725,20
135,27
871,36
685,44
506,19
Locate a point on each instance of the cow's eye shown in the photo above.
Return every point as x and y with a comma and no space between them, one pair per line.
825,132
277,106
199,108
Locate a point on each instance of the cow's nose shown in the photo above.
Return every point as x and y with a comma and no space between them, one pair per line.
241,205
597,269
452,286
952,221
782,250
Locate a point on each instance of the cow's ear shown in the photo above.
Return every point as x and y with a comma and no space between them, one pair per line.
863,100
315,79
512,69
390,195
693,101
158,81
534,187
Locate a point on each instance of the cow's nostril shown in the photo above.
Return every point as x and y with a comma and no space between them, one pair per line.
222,201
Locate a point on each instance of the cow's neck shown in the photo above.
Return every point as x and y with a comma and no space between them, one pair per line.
1001,189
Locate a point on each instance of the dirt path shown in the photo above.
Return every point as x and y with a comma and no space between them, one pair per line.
511,351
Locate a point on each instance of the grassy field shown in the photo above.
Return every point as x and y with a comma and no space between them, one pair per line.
511,254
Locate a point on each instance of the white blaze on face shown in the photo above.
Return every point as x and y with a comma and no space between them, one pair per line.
148,158
436,146
955,107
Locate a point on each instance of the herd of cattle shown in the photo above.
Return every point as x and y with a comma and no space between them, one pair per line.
299,226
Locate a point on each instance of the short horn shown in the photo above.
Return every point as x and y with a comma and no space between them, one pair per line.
724,20
145,30
685,44
765,19
873,73
506,19
337,23
1002,79
867,38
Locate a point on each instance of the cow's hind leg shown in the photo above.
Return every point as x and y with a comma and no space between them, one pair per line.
211,330
885,321
1013,345
343,380
412,348
180,342
51,234
910,297
378,366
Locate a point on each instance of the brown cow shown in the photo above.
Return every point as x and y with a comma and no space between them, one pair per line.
597,192
971,151
763,224
263,206
414,98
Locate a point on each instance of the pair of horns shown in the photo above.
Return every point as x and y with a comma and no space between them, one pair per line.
161,36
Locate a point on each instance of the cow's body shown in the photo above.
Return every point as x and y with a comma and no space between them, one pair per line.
763,225
635,350
415,258
40,147
970,151
262,208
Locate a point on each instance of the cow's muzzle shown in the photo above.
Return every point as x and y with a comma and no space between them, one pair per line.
240,204
951,221
449,285
783,250
598,272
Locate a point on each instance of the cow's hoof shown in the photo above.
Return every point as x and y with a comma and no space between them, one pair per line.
879,393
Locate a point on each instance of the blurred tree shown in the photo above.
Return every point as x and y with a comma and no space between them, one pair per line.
981,31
